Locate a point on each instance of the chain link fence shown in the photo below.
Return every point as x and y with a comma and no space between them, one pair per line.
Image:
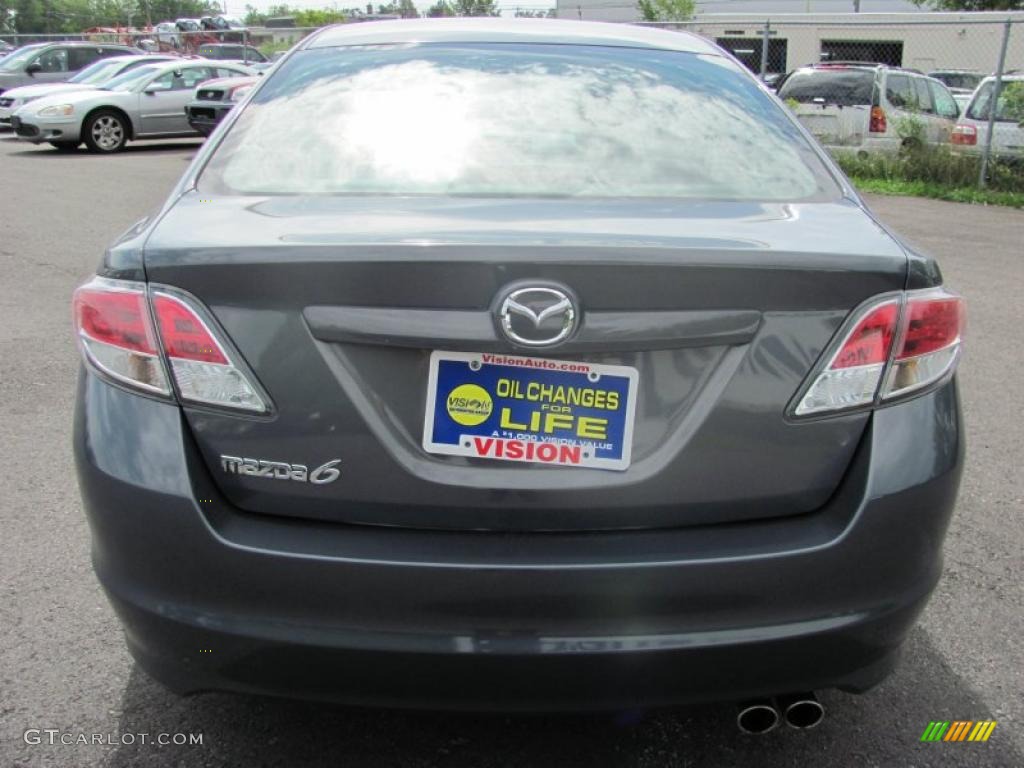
932,100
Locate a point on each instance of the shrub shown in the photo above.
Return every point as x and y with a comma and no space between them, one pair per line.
937,165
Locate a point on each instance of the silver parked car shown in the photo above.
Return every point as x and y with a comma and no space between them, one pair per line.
971,134
866,108
53,62
146,103
97,74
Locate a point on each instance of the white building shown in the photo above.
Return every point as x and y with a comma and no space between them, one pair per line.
924,41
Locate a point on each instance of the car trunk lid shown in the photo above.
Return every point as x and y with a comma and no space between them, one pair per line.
337,305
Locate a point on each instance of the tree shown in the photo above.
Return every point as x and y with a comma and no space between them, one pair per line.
403,8
666,10
475,8
972,5
440,8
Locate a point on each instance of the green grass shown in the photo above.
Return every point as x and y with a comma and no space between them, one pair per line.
939,191
937,173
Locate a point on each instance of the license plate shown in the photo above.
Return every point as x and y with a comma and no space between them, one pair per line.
511,408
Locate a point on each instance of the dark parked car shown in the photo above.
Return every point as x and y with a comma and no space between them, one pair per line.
214,99
517,365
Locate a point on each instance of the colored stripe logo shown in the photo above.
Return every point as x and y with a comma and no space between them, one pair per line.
958,730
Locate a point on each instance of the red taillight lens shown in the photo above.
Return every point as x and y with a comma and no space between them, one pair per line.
877,123
869,343
184,335
115,333
931,325
964,135
929,344
114,317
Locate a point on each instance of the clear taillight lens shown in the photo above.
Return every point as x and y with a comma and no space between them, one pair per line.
116,335
908,342
116,332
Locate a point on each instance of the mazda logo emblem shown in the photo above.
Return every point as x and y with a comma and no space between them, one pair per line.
537,316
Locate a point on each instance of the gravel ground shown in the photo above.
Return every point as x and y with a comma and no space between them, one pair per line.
63,664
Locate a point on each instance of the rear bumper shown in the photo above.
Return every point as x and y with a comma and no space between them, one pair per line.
213,598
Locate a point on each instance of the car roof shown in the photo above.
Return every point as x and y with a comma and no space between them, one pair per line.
498,30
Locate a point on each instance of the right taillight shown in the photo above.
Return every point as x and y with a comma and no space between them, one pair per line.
122,330
877,122
964,135
893,346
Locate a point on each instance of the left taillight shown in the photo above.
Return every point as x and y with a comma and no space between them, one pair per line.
893,346
115,333
137,336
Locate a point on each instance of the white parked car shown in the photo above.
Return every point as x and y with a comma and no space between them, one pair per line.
145,103
870,108
971,133
93,76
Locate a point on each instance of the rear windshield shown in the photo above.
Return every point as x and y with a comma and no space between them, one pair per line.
842,87
515,120
1011,102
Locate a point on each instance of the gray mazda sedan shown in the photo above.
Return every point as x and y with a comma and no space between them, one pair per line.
517,365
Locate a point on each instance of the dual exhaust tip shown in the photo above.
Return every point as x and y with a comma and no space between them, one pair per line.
799,710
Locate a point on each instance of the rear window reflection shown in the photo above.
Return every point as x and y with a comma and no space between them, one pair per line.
515,120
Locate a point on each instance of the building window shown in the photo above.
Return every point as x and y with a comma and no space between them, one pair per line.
748,51
875,51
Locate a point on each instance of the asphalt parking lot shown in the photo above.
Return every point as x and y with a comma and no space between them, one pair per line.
63,664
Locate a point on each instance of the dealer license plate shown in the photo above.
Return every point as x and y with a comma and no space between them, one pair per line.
511,408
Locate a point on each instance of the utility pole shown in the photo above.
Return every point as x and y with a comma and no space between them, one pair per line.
856,6
993,106
765,37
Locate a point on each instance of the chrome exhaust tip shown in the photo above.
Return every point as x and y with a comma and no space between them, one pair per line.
801,710
757,717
